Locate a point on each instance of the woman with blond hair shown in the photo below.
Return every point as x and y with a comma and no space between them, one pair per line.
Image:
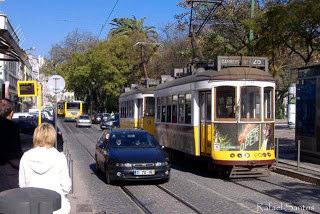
44,167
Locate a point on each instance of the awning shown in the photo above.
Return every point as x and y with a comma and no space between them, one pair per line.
10,48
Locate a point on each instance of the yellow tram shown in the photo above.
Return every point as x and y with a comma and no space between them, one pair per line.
60,109
137,109
225,114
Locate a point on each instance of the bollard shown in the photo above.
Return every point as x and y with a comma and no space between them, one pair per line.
71,176
277,151
298,158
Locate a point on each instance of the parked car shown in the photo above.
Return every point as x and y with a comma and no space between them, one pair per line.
83,120
27,126
18,115
105,115
131,154
96,118
111,121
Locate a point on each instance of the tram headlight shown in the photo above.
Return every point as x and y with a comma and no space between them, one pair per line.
239,155
247,155
264,155
269,154
232,155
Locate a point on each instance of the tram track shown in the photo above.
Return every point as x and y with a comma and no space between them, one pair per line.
125,190
272,196
193,208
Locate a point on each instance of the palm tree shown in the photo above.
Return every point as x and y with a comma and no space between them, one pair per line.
127,26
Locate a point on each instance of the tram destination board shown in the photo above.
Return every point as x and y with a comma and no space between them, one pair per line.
27,88
244,61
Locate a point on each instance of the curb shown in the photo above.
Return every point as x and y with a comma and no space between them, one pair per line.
303,177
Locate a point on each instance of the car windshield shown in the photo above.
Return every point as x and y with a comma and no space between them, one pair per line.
131,139
84,117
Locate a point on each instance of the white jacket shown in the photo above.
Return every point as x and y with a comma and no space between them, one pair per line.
46,168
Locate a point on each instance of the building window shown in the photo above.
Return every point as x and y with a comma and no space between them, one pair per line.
250,102
225,102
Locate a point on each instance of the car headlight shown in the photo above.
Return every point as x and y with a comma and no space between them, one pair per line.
124,164
162,164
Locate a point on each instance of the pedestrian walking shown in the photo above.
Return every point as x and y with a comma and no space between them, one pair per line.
10,147
44,167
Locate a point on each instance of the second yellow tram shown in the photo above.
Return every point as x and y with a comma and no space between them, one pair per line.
137,109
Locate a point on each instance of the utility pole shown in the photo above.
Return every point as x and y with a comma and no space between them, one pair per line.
197,23
251,35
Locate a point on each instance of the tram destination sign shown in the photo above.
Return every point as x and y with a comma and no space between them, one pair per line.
27,88
244,61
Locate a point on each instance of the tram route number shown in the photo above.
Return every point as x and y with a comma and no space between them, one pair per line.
244,62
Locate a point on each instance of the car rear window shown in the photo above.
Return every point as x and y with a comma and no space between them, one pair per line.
84,117
131,139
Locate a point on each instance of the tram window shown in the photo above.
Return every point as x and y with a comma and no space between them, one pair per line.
140,108
174,108
158,109
202,106
181,108
208,106
149,106
188,109
268,103
130,107
169,102
225,101
163,109
250,102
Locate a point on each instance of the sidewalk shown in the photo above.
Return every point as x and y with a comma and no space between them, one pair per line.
287,162
307,172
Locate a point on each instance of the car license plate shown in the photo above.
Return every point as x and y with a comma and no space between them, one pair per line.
144,172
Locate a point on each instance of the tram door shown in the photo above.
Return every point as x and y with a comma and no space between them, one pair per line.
140,113
205,122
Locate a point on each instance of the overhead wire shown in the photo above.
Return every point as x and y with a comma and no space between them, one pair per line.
106,22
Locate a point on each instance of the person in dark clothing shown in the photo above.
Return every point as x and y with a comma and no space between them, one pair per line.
10,147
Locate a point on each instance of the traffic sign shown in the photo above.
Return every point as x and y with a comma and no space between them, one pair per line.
56,83
27,88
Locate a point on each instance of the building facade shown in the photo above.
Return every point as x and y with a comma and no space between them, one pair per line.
14,65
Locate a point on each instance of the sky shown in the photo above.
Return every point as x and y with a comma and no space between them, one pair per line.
43,23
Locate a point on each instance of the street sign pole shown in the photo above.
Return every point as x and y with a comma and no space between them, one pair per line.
56,84
39,97
56,109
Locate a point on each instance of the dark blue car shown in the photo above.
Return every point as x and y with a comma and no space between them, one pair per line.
112,121
131,154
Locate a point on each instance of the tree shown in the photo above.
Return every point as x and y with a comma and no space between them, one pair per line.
127,26
294,25
74,42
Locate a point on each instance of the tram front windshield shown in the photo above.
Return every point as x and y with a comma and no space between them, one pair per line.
247,133
73,106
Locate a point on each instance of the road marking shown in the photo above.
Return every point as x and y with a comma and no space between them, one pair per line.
223,196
